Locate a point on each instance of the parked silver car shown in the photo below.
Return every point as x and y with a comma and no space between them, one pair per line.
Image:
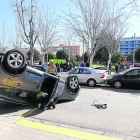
85,75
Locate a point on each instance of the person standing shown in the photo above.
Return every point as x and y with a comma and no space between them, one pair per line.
65,65
116,68
52,68
40,63
109,68
82,65
87,64
61,67
70,66
57,66
127,66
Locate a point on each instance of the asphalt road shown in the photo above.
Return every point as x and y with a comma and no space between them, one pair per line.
120,119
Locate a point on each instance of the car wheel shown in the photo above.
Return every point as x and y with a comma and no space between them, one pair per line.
91,83
72,84
117,84
14,60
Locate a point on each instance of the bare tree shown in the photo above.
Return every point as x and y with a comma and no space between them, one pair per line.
3,34
115,28
15,39
134,5
68,38
88,25
26,17
48,34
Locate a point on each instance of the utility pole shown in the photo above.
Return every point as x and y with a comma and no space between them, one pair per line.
134,49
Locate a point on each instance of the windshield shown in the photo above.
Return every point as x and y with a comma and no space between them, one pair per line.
123,72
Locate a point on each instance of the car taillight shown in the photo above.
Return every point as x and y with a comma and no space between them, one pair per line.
103,76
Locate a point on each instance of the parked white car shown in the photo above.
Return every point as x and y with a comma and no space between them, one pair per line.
85,75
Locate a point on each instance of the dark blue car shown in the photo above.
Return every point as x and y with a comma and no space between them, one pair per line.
129,77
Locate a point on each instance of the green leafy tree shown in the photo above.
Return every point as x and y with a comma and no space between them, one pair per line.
137,54
51,55
78,57
36,55
62,54
86,56
74,58
102,56
117,57
130,58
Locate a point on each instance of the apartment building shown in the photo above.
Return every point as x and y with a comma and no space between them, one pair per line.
73,50
127,45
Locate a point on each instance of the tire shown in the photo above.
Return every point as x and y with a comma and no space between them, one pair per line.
117,84
72,84
91,83
1,57
14,60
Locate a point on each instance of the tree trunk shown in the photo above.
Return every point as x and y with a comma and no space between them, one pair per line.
91,58
109,60
43,59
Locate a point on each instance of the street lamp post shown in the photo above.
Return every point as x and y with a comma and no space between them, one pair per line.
134,49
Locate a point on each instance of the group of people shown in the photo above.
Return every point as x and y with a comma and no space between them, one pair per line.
83,65
119,66
54,69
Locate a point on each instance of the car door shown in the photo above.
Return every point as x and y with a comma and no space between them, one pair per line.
27,81
83,75
131,78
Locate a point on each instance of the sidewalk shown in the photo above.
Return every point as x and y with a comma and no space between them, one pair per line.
9,130
20,128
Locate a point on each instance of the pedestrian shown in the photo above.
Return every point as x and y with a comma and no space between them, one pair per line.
109,68
70,66
65,65
52,68
67,60
116,68
127,66
82,65
57,66
40,62
87,64
130,65
61,67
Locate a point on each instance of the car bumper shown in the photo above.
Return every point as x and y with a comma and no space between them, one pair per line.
100,81
109,81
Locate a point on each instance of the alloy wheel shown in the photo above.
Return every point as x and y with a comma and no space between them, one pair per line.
73,82
15,60
117,84
91,83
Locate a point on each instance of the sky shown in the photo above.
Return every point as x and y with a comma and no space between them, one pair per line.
7,14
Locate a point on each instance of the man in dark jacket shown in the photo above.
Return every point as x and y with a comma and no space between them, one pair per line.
65,65
116,68
57,66
70,66
87,64
61,67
